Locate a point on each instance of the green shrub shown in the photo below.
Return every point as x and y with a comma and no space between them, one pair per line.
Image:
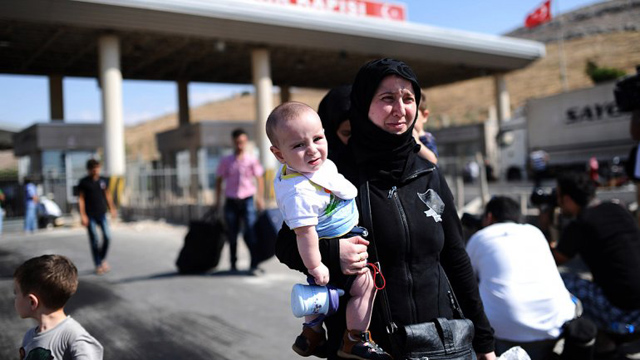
602,74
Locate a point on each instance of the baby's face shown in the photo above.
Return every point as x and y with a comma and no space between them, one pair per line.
301,143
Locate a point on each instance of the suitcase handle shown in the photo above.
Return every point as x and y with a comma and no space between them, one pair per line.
212,215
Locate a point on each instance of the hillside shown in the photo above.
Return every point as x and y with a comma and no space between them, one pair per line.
607,33
468,102
140,139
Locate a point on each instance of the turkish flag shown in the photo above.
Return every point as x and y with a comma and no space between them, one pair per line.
541,15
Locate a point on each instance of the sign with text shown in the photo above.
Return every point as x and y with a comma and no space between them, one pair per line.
364,8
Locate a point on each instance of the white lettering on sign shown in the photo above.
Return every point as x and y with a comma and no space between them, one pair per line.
368,8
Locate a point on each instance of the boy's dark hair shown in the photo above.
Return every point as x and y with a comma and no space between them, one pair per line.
92,163
577,186
52,278
237,133
504,209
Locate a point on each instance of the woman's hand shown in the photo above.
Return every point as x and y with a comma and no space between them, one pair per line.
353,255
488,356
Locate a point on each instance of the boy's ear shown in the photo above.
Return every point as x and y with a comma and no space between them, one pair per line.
425,113
277,153
33,302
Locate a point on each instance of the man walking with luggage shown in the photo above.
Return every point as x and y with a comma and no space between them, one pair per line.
241,173
93,200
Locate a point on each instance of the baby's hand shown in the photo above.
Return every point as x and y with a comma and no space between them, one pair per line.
320,274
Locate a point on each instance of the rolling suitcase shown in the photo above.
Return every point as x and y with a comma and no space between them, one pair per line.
202,245
266,229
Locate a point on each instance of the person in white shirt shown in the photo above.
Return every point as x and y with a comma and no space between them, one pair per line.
520,286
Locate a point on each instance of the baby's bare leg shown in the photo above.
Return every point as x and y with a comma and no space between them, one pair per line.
360,306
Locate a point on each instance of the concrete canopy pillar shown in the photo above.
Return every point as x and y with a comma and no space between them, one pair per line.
183,102
503,102
264,103
111,83
56,98
285,94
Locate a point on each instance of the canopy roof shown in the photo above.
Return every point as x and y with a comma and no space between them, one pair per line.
211,41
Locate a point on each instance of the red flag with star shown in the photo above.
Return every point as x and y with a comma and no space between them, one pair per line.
540,15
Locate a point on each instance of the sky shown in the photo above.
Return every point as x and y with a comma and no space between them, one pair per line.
24,100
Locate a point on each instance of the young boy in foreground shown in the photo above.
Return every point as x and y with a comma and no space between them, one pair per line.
42,286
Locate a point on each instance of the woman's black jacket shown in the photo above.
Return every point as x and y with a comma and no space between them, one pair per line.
416,229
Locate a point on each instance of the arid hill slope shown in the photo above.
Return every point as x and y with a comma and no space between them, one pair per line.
607,33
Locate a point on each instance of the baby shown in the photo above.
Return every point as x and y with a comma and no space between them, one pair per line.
319,203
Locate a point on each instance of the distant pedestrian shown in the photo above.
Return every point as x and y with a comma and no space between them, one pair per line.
42,286
94,199
30,205
593,167
241,173
2,200
538,163
471,171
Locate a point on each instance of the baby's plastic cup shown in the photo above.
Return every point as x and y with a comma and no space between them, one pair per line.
314,300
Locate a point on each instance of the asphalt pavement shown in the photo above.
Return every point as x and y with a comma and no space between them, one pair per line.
143,309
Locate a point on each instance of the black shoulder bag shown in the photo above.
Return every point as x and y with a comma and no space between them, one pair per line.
435,340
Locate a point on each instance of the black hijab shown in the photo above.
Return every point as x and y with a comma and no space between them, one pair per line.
379,153
333,111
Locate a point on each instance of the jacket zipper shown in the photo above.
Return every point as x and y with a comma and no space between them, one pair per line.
393,194
418,173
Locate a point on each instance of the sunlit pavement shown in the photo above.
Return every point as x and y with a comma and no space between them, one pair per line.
143,309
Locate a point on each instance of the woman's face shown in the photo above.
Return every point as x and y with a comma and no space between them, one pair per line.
393,107
344,131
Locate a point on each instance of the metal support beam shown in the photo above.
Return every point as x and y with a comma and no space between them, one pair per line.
111,82
285,94
183,102
56,98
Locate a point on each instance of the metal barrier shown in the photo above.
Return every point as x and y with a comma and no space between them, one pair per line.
175,195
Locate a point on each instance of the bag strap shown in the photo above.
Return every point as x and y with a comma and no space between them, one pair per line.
365,205
447,335
453,300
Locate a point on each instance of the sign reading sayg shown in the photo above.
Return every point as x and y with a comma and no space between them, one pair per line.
366,8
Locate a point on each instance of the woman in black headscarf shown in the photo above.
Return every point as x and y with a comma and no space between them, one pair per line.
334,113
415,224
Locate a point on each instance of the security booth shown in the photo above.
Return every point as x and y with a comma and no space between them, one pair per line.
54,155
189,157
458,146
